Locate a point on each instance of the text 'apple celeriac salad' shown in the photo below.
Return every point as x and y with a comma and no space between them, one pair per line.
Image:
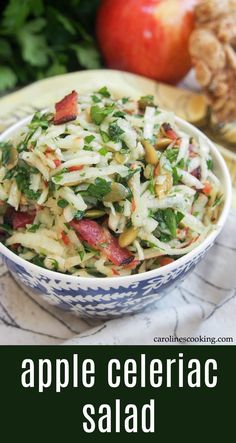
104,187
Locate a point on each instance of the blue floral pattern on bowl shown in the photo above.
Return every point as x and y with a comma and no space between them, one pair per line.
94,299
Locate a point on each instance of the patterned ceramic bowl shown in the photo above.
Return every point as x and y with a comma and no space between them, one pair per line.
110,297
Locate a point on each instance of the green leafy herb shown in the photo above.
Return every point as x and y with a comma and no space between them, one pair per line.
79,215
6,149
104,92
5,227
103,151
115,131
87,148
181,163
165,238
96,99
39,260
89,138
99,189
118,208
32,195
119,114
172,154
90,249
51,188
81,254
105,136
58,177
98,114
55,264
179,217
168,219
147,100
218,201
125,100
210,164
22,177
95,273
62,203
33,228
40,120
39,39
175,175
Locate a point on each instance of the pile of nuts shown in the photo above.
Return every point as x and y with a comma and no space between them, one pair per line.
213,51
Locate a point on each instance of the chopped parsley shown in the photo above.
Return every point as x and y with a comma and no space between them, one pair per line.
115,131
169,220
103,151
87,148
104,92
62,203
89,138
105,136
210,164
99,188
125,100
6,149
146,100
172,154
217,201
98,114
40,120
79,215
96,99
34,228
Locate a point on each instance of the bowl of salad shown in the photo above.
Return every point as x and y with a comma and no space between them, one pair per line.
108,202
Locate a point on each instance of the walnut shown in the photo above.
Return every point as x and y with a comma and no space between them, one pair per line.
213,52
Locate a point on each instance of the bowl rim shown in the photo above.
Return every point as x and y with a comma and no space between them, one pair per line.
192,130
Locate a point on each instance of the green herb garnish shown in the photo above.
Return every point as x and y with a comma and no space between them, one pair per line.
115,131
98,114
103,151
210,164
147,100
105,136
96,99
172,154
34,228
87,148
89,138
62,203
79,215
6,149
104,92
99,188
40,120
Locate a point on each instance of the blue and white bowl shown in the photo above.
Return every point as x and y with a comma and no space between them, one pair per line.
116,296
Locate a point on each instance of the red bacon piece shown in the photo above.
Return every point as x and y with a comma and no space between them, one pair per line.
101,239
169,132
21,219
66,109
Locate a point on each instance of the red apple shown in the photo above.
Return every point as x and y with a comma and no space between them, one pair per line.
148,37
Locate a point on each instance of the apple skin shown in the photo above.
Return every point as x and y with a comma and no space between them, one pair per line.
147,37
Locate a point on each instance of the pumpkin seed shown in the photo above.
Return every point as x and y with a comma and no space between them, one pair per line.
120,158
127,237
94,213
151,155
163,143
